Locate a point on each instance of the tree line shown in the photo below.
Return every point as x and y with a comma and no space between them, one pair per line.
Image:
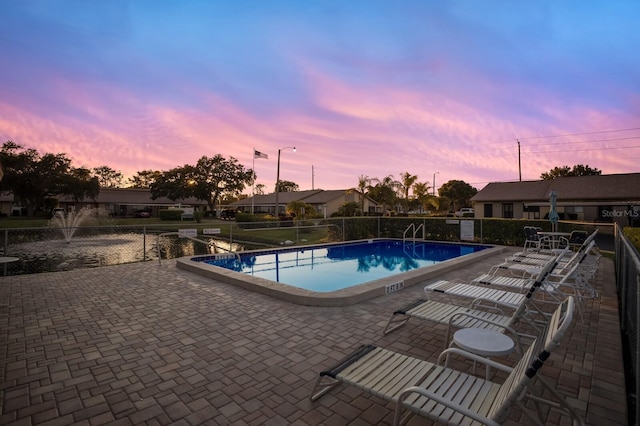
37,180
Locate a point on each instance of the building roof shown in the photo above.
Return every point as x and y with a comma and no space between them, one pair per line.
134,196
618,187
314,196
270,199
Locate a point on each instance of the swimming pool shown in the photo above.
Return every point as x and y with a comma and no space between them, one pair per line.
336,274
331,268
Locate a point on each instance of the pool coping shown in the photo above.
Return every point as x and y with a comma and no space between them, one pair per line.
343,297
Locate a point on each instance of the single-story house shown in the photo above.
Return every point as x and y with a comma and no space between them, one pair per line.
113,201
324,202
129,201
599,198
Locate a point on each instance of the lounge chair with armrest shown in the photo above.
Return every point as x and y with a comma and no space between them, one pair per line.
449,396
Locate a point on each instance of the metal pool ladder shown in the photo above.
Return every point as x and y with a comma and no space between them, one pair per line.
415,229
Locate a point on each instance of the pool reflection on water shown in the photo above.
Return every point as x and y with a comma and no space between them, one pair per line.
334,267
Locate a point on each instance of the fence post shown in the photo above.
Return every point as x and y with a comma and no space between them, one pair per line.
144,243
6,247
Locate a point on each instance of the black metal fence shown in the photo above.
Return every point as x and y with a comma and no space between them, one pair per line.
628,285
52,248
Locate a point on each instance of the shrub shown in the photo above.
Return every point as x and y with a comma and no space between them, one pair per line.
633,234
170,214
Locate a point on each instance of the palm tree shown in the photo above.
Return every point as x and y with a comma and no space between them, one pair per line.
384,191
407,181
421,193
363,183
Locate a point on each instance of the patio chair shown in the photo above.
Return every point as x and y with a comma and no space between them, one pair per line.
538,258
554,288
531,238
473,290
573,239
577,238
524,270
476,315
447,395
470,291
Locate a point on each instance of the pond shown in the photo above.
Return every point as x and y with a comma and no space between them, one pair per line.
48,255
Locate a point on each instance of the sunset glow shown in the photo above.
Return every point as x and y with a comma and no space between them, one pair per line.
371,88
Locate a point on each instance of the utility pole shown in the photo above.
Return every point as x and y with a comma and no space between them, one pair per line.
312,176
519,162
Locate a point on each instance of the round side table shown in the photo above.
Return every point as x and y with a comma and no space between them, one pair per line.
7,259
483,342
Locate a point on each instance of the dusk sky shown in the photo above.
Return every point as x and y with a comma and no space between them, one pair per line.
359,87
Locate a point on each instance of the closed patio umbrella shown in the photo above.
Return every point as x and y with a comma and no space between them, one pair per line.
553,214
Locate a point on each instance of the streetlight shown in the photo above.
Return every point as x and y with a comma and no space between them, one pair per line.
434,183
278,177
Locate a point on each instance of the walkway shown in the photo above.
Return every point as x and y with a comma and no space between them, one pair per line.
153,345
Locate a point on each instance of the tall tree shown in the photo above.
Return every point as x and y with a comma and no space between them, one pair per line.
259,189
406,182
458,192
421,195
144,179
32,177
566,171
209,180
107,177
288,186
384,191
363,183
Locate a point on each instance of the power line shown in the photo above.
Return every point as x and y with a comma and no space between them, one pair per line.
581,134
582,150
562,135
589,141
527,149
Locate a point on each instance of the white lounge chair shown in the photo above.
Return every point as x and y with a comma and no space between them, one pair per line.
524,270
540,259
555,286
474,291
450,396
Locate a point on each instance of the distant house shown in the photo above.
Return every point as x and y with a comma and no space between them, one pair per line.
324,202
6,204
603,198
125,202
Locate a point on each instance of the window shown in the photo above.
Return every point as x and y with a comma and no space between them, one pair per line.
488,210
533,212
507,210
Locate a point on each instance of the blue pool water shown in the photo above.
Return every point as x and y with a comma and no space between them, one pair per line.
334,267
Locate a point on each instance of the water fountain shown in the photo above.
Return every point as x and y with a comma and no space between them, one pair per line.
68,223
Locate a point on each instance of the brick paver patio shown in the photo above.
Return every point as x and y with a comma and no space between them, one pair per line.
149,344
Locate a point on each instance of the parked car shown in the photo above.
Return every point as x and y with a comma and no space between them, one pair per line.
228,214
143,213
465,212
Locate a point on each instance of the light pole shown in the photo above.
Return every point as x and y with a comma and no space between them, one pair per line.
434,183
278,178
